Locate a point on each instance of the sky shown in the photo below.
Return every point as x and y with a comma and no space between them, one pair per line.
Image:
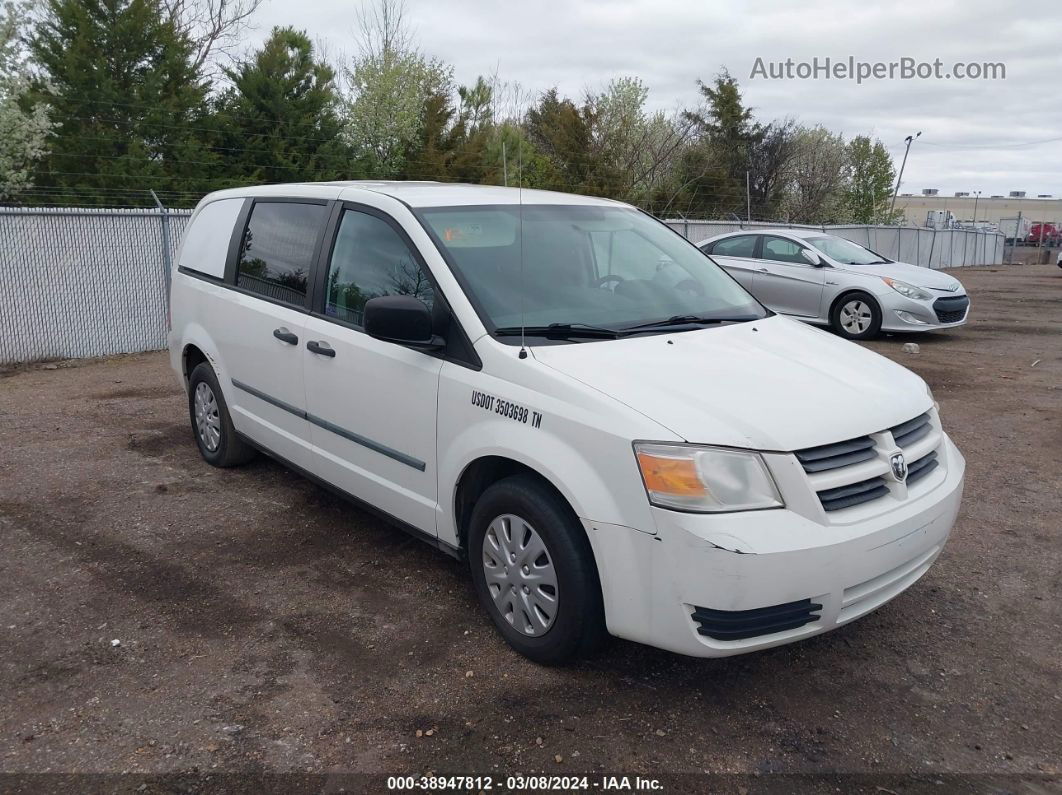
987,135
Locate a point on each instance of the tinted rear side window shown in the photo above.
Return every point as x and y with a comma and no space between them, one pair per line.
277,250
741,246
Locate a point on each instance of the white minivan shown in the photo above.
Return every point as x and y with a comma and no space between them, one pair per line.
566,393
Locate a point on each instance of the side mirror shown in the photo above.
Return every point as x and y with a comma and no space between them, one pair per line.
812,257
401,319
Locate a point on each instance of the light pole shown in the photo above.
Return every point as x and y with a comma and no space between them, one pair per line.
977,197
909,139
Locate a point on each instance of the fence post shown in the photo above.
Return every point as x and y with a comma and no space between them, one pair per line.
1013,239
167,255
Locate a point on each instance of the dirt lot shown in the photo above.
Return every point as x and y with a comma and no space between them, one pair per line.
158,615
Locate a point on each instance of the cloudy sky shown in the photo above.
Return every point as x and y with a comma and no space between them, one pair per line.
988,135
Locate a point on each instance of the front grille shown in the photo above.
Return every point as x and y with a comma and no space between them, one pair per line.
741,624
854,494
911,431
857,471
835,456
951,310
922,467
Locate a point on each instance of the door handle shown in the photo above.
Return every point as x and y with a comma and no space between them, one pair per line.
763,270
320,348
284,335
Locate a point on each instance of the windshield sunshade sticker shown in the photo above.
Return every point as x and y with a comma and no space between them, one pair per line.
506,408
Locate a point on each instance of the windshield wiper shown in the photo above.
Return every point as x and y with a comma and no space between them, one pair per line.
560,330
690,320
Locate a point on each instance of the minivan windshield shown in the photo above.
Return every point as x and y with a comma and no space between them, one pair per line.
845,251
588,269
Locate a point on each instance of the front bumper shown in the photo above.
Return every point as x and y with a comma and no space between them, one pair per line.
905,314
659,586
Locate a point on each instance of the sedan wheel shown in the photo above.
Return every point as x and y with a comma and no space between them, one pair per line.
856,317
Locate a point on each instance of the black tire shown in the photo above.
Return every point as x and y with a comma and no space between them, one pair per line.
231,450
578,625
867,300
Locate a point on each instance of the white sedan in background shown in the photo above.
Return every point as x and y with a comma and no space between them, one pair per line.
826,280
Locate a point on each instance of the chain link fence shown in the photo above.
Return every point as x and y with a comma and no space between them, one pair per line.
77,283
928,248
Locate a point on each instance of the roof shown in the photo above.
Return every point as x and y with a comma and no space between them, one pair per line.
783,231
418,194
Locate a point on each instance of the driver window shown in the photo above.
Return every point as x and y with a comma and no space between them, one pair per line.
370,260
627,255
780,249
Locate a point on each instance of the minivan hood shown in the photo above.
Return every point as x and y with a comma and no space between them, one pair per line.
912,274
773,384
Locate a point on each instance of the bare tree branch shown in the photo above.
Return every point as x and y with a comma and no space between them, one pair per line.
215,27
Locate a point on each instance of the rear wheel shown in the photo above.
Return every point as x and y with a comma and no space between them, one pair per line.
534,571
214,434
856,316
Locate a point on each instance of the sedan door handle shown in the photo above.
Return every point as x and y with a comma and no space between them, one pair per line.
763,270
284,335
320,348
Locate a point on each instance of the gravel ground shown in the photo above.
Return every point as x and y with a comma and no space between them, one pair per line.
160,616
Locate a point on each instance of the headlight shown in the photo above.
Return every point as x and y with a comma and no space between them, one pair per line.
907,290
705,479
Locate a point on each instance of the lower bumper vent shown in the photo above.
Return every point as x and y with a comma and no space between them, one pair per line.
741,624
952,309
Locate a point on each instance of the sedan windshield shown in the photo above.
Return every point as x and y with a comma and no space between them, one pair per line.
581,270
845,251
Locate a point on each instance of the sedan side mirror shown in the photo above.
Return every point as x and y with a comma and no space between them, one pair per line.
401,319
812,257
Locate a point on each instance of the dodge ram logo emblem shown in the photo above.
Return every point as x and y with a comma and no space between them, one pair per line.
899,466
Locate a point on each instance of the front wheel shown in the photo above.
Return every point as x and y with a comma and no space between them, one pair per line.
856,316
534,571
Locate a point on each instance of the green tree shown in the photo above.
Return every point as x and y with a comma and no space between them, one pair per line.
639,148
24,126
736,162
563,134
728,132
279,120
390,82
817,177
125,98
870,186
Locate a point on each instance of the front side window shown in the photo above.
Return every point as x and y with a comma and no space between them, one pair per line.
611,267
780,249
277,249
370,260
845,251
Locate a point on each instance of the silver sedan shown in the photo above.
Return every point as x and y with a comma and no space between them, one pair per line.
827,280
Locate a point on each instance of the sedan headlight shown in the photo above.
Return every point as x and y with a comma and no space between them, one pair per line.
705,479
907,290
